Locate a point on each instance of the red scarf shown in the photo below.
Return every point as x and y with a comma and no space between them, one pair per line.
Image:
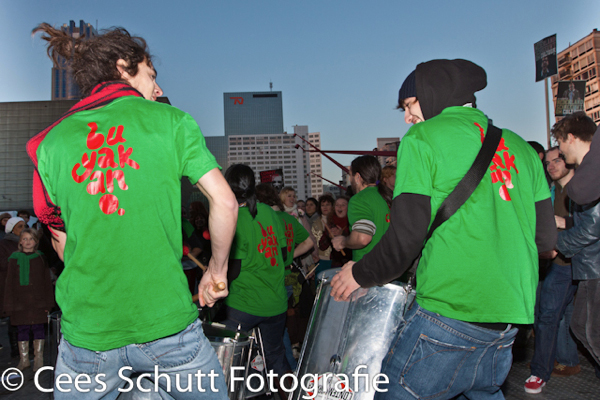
46,211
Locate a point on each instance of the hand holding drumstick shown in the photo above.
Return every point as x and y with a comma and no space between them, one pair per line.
218,287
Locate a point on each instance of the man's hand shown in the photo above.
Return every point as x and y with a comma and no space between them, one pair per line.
339,243
208,290
560,222
343,283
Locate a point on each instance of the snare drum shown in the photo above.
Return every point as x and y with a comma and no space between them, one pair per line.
343,335
232,350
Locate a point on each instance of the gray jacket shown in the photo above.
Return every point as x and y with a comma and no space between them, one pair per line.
582,242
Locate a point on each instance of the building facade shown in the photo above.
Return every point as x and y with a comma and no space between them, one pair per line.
581,61
253,113
387,144
63,84
278,151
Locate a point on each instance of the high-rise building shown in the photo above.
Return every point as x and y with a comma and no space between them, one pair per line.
253,113
581,61
63,84
278,151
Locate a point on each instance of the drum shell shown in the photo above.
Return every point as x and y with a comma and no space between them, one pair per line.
231,352
344,335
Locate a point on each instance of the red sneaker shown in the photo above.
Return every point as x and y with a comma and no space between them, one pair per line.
534,384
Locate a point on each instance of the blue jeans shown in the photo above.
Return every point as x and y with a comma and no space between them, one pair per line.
566,348
556,293
271,329
434,357
172,363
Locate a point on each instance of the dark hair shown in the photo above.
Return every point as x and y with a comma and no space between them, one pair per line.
400,105
94,60
241,180
268,195
25,212
579,124
369,169
33,234
198,215
537,147
313,200
325,198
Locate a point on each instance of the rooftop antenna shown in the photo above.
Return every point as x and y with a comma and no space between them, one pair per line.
271,85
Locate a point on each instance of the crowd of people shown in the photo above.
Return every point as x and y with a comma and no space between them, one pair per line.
477,236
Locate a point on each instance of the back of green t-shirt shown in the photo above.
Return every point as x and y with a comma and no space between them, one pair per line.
259,289
295,234
368,204
116,172
482,264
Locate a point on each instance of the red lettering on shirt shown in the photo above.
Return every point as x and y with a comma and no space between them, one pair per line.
289,235
118,138
88,164
502,163
102,181
268,244
94,140
107,159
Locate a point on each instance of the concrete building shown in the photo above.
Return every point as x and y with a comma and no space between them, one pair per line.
20,121
581,61
63,84
387,144
278,151
253,113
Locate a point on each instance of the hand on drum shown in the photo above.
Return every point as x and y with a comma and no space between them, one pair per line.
208,289
343,283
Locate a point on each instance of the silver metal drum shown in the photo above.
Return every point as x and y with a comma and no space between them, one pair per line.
232,350
343,335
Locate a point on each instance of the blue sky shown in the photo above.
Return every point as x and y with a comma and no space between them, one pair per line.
339,64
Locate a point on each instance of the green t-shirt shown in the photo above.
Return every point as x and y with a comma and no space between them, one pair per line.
295,234
369,205
481,265
116,172
259,289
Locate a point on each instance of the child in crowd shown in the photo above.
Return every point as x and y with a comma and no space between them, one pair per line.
28,296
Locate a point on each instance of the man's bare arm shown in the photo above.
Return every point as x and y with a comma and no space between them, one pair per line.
356,240
222,220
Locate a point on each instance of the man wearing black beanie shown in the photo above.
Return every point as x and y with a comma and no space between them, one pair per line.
478,271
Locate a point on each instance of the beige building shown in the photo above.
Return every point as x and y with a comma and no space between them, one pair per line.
581,61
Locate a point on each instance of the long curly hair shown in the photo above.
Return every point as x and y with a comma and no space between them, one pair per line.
94,60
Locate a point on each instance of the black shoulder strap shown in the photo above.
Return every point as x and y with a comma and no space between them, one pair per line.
470,181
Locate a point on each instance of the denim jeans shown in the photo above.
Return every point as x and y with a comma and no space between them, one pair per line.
586,316
434,357
271,329
566,348
173,364
557,291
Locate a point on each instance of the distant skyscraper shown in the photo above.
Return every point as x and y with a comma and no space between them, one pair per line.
63,85
253,113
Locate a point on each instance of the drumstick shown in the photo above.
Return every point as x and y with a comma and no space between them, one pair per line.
218,287
331,236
